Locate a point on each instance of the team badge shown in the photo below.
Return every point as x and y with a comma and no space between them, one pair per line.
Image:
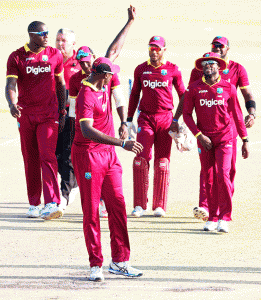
199,151
156,38
139,129
219,90
207,55
45,58
219,37
18,124
88,175
164,72
226,71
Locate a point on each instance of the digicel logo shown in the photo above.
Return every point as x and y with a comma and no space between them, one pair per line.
38,70
211,102
154,84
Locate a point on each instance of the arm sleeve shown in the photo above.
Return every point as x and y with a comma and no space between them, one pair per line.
73,91
188,107
234,106
59,66
243,81
84,106
195,75
119,96
135,94
115,81
12,66
178,82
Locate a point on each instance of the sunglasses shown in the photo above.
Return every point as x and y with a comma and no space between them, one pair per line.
41,33
81,54
218,46
208,62
153,48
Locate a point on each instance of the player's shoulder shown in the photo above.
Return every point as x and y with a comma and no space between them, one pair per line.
18,52
195,84
235,65
53,51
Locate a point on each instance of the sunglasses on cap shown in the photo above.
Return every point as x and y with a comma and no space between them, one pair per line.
81,54
217,45
153,48
208,62
41,33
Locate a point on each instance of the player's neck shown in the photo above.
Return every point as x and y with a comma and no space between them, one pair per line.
34,48
96,81
156,63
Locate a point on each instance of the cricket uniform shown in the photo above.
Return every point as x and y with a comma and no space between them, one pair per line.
213,106
38,124
63,149
155,116
235,74
99,175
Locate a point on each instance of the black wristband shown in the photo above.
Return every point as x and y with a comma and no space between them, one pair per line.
245,140
124,123
250,104
129,119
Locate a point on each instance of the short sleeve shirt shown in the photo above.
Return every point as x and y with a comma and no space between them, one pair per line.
71,66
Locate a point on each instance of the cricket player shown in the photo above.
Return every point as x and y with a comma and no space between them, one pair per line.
37,71
235,74
65,42
99,173
155,78
214,99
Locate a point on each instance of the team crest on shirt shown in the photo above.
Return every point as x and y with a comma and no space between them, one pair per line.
45,58
199,151
164,72
88,175
139,129
226,71
18,124
219,90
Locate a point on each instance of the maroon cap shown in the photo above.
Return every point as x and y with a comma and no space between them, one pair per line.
157,40
220,39
211,56
84,54
104,65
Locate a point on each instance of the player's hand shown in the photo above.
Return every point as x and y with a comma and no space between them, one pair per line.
245,150
205,142
131,13
249,121
132,132
174,127
15,110
133,146
123,132
61,123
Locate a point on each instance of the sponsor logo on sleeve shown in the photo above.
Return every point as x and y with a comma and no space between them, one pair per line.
88,175
155,84
203,91
37,70
210,103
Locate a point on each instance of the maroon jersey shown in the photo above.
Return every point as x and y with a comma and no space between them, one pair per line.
156,86
75,83
71,66
234,73
213,105
95,105
35,77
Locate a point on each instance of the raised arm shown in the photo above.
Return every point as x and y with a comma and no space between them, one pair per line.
117,44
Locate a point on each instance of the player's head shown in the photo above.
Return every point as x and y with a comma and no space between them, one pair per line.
38,34
86,57
65,41
210,63
103,68
220,44
157,48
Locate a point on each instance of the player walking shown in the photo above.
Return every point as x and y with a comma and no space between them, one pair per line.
155,79
98,171
235,74
37,70
214,99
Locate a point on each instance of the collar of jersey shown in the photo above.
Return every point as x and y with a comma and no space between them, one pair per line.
227,60
27,49
204,80
87,83
83,72
163,63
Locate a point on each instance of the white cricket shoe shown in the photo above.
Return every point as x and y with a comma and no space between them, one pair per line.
138,212
96,274
73,194
51,211
102,210
222,226
159,212
34,211
123,268
200,213
210,226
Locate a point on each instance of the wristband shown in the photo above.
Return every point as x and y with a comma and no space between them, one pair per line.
199,133
63,112
124,123
123,144
129,119
245,140
175,120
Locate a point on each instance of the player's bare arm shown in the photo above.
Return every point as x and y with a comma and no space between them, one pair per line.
117,44
61,94
174,125
250,105
245,149
205,142
95,135
10,94
123,129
